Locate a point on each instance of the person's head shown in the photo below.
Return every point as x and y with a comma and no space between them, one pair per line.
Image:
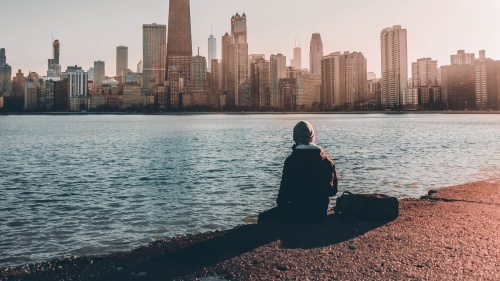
303,133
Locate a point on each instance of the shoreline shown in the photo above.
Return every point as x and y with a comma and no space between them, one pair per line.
451,235
472,112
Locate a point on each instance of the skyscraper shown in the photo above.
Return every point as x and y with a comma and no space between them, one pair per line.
278,71
393,42
228,69
121,59
179,49
297,58
54,68
316,53
5,74
99,73
154,46
3,58
239,39
212,51
260,96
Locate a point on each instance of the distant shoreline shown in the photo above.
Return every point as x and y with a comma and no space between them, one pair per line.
249,113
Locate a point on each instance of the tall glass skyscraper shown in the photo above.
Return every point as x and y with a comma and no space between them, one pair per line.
212,50
154,54
179,49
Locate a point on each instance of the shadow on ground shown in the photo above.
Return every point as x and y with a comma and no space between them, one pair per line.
194,258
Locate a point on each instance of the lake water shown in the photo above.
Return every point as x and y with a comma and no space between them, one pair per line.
80,185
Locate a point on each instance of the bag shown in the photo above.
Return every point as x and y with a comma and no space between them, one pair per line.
371,207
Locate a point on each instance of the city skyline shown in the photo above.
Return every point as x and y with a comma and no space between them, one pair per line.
437,40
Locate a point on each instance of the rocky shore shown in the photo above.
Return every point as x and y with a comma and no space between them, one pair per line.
452,235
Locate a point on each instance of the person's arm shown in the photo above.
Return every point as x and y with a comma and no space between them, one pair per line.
335,182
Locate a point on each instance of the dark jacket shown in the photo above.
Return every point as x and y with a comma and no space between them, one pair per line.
309,179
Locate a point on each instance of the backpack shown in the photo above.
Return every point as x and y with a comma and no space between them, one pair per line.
372,207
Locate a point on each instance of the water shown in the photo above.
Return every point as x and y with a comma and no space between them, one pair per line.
80,185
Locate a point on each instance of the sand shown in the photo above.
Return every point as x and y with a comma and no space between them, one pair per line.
453,235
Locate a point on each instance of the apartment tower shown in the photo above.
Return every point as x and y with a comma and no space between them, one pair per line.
393,41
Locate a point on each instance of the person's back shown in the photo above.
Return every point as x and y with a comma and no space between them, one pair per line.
308,180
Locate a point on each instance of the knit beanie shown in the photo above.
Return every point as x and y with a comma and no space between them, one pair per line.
303,133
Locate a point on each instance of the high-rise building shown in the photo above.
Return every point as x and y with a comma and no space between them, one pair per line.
56,50
458,82
228,70
154,46
5,75
99,73
214,77
198,75
316,53
121,60
260,96
179,49
18,83
424,73
3,58
277,71
356,79
288,90
296,62
463,58
31,93
239,39
333,80
308,91
77,81
486,78
212,50
344,80
394,66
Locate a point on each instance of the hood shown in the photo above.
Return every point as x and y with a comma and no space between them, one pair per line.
309,154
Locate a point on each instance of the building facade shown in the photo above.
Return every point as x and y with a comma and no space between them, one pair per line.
308,91
278,71
394,66
99,73
179,50
212,50
121,60
154,55
315,54
424,73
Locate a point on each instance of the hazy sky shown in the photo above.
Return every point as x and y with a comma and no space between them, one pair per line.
90,30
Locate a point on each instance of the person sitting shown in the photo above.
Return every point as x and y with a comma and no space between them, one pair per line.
308,181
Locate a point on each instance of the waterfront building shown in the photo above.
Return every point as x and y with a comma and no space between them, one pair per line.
316,54
54,67
278,70
260,95
356,78
308,91
394,66
214,77
3,57
463,58
154,46
31,92
18,84
458,83
424,73
296,62
61,95
5,75
121,60
77,81
212,51
288,90
333,80
179,50
228,69
239,39
486,83
99,74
